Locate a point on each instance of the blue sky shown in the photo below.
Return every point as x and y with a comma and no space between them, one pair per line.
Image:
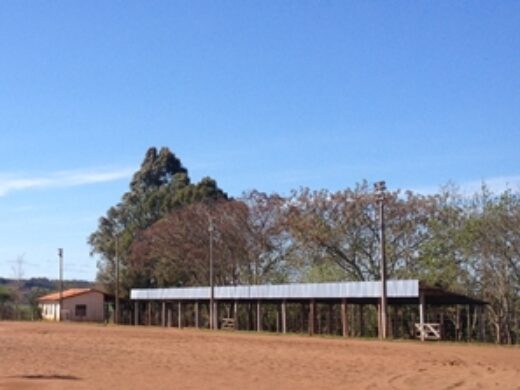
270,95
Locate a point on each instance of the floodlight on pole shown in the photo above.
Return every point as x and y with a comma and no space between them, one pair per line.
117,277
380,189
60,255
211,284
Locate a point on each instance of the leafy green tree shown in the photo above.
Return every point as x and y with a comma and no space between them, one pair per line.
494,252
341,228
159,186
442,258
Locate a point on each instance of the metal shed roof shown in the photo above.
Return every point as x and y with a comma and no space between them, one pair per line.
359,290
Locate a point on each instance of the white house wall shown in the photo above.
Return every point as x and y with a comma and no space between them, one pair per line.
50,311
95,307
93,300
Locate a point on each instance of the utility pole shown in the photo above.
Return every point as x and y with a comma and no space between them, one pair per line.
60,254
211,285
380,188
116,316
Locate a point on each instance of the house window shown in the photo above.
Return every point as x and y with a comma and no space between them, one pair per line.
81,310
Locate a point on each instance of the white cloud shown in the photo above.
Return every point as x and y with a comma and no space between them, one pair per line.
10,183
495,184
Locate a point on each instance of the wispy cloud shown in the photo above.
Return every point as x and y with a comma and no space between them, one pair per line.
10,182
495,184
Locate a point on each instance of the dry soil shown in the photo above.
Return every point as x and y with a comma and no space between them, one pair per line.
79,356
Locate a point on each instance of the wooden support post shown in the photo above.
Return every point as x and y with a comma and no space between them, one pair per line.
442,323
235,314
216,316
278,310
163,313
379,329
179,314
196,313
481,324
329,319
344,317
169,322
149,309
210,313
136,313
457,323
317,325
312,317
249,316
258,316
284,316
302,319
361,320
468,323
390,313
422,305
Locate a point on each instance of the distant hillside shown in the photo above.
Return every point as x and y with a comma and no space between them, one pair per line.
30,289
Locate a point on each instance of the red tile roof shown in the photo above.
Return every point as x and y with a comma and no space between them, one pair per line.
72,292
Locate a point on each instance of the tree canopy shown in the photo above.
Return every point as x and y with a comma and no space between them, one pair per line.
158,187
467,244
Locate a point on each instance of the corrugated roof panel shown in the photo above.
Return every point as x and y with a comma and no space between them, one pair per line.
395,289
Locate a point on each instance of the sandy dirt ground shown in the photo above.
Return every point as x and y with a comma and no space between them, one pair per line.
76,356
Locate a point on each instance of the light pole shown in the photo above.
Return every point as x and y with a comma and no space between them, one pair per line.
60,255
380,188
211,286
116,316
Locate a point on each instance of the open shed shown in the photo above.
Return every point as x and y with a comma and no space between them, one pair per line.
159,304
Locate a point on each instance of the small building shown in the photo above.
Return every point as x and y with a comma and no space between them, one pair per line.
79,304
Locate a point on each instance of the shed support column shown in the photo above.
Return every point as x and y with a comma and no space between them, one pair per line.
258,316
251,315
170,315
312,316
179,314
302,322
278,315
481,323
361,320
421,314
149,307
284,316
329,319
136,313
163,313
468,323
457,323
390,322
442,324
196,313
344,317
215,315
379,321
235,314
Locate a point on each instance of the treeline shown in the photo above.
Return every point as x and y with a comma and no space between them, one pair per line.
466,244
